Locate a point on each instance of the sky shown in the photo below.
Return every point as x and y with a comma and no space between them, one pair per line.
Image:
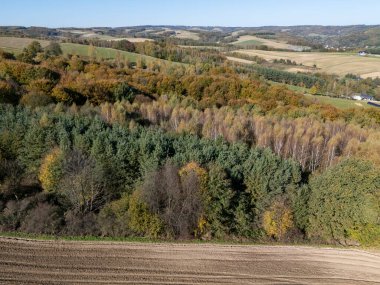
236,13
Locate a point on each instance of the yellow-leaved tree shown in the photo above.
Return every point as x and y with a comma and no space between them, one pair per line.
278,219
194,177
51,170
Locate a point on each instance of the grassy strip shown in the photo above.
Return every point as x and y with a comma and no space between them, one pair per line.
43,237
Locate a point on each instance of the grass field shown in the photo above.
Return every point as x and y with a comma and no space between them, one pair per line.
248,43
339,103
248,40
336,63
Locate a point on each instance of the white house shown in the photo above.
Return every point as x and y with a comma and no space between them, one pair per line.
364,97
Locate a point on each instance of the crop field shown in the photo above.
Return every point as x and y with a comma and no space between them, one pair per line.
17,44
337,63
248,40
60,262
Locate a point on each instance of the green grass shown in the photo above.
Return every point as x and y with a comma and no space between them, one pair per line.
249,43
292,87
339,102
191,241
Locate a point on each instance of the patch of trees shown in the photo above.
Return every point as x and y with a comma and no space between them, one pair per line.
374,50
165,50
276,75
284,61
65,171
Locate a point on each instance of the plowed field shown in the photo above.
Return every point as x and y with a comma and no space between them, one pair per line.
64,262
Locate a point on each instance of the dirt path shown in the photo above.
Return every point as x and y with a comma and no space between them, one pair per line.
63,262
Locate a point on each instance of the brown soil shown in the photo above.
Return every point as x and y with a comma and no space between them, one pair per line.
62,262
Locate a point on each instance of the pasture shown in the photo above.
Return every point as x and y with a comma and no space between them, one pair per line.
248,40
339,103
334,63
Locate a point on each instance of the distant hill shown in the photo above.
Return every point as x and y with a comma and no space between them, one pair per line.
355,36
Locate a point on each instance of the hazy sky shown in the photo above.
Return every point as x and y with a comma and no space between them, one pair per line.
116,13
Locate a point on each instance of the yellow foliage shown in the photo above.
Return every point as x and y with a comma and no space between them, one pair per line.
313,90
200,172
202,175
141,220
61,95
277,220
202,227
45,121
50,170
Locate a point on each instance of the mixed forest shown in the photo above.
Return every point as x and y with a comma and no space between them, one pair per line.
201,149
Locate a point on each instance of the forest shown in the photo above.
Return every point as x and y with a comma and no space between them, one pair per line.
200,150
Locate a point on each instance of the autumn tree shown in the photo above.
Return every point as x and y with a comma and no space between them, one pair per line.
50,172
344,199
82,182
278,219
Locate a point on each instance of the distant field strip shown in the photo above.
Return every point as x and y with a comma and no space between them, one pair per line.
63,262
17,44
337,63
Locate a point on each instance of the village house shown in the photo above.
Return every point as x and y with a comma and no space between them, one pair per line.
364,97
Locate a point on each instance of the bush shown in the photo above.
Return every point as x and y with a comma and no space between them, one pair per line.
34,100
79,224
113,218
43,219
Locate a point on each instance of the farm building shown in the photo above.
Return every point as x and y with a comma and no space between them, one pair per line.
364,97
